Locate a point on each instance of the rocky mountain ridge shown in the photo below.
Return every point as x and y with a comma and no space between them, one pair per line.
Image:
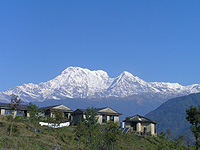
76,82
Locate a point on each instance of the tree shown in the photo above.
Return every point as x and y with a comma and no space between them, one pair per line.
128,118
14,102
111,134
88,130
59,117
162,141
80,132
182,137
90,122
33,112
91,117
169,133
193,116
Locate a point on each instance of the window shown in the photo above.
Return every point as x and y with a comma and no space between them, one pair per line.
104,118
8,112
20,113
111,118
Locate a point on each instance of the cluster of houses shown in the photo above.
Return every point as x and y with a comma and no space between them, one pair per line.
137,123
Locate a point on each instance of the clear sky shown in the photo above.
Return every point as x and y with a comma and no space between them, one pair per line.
156,40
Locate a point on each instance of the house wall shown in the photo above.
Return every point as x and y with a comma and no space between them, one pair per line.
79,117
100,119
138,127
28,115
150,127
116,118
69,115
52,114
153,129
108,118
2,111
147,126
14,113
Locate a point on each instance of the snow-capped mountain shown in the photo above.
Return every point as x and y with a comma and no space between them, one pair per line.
76,82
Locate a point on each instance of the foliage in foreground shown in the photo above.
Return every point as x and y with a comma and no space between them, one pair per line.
25,137
193,116
88,135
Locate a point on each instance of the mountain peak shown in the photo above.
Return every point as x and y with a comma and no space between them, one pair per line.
127,73
77,82
76,69
72,69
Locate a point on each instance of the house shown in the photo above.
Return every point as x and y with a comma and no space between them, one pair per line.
49,111
141,125
7,109
104,114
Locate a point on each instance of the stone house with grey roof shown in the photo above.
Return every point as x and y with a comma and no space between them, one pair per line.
104,115
141,125
7,109
49,111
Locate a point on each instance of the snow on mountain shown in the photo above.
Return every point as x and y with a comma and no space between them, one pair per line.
76,82
126,84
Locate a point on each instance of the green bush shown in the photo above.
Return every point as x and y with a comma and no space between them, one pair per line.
9,117
42,119
18,118
15,129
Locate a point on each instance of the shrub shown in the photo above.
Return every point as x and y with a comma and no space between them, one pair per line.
15,129
9,117
18,118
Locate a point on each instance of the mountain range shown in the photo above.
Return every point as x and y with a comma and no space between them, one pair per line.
172,115
76,88
76,82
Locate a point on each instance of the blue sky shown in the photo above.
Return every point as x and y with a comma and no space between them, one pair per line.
154,40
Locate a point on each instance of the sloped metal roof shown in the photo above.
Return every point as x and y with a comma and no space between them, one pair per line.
83,111
67,109
10,106
138,118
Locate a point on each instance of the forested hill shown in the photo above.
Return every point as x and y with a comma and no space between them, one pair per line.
171,115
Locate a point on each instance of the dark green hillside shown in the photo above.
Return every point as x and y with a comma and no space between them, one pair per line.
171,115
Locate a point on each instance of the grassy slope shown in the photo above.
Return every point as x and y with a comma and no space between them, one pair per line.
24,138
